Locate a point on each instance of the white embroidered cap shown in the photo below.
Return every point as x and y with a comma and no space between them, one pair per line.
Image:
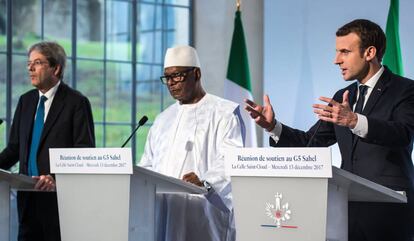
181,56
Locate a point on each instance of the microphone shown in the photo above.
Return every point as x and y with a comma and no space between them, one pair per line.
316,131
313,135
140,123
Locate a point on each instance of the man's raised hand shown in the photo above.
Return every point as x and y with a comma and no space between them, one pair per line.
264,115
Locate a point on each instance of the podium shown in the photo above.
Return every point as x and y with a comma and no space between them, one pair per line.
9,181
293,200
345,186
107,207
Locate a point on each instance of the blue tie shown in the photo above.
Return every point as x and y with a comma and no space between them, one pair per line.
37,132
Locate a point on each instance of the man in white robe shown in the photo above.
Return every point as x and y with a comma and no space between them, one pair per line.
188,140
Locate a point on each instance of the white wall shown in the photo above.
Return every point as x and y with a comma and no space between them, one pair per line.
213,29
299,44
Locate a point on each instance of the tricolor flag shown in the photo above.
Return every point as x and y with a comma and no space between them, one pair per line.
392,56
237,85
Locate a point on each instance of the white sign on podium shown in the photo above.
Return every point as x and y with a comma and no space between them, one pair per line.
91,160
302,162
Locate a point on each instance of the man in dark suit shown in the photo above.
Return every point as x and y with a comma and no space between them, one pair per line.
372,120
51,116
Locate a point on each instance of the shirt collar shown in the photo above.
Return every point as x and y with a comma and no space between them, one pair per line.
374,79
50,93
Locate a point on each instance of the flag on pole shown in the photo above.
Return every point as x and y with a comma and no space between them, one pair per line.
392,56
237,85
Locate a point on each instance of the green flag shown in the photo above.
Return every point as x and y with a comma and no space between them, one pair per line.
237,85
392,57
238,68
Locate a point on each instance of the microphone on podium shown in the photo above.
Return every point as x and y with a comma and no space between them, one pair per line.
314,133
140,123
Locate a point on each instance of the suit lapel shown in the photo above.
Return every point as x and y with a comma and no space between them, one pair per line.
55,109
376,93
30,115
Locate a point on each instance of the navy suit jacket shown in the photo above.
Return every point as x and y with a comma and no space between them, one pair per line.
384,156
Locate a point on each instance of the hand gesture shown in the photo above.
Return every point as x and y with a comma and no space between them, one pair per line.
264,115
335,112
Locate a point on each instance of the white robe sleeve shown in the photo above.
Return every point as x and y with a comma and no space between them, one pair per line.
229,134
148,155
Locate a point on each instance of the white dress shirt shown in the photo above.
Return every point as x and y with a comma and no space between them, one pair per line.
50,95
361,127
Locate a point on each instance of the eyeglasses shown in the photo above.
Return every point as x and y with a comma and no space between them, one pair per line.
176,77
36,63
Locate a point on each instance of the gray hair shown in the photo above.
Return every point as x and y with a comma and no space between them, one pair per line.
54,53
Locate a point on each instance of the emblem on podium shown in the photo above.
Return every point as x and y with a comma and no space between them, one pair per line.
279,212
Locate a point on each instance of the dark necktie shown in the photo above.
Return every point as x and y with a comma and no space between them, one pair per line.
361,99
37,132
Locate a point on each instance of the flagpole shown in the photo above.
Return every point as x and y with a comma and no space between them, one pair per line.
238,5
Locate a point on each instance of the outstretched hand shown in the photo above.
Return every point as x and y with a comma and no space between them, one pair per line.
335,112
264,115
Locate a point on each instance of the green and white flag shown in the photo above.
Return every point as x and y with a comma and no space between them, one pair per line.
237,85
392,57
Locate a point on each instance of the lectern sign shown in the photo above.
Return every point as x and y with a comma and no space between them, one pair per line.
280,162
91,160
